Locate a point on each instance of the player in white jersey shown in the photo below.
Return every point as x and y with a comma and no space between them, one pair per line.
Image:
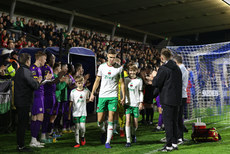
179,61
109,75
78,99
134,96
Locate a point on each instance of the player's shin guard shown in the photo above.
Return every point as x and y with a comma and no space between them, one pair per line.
36,128
77,127
82,128
128,134
109,132
45,123
32,128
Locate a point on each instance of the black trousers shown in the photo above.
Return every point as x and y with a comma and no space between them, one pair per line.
23,119
181,120
170,119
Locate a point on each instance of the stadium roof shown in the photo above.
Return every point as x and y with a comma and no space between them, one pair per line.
157,18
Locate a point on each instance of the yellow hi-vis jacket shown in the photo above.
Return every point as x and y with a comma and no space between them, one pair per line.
10,71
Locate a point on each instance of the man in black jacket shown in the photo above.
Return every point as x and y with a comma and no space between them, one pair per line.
24,88
169,82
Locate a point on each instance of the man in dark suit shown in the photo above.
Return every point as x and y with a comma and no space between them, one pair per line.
169,82
24,88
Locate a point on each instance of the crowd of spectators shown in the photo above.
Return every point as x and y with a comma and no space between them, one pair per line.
49,35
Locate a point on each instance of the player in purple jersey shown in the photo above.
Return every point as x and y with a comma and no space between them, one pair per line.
49,96
60,80
61,95
38,105
65,107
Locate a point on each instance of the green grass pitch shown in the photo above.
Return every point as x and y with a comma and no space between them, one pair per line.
147,142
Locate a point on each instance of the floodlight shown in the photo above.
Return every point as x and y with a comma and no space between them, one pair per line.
227,1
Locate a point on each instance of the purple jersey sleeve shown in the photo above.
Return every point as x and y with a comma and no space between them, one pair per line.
49,88
36,72
47,69
72,79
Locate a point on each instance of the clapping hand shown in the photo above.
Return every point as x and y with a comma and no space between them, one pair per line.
64,79
48,76
39,79
154,73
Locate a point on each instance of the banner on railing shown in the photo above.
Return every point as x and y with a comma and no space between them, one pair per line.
5,96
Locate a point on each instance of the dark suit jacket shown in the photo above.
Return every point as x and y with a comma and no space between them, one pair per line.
169,82
24,86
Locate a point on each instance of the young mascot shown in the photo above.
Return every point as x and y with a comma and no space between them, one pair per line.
134,96
78,99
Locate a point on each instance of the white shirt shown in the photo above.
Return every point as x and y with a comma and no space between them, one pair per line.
184,80
109,80
79,101
134,94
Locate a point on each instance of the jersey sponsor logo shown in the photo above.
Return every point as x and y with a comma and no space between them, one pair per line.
34,72
81,97
80,101
131,89
108,77
109,73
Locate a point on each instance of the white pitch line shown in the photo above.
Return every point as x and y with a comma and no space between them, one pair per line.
225,128
154,151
